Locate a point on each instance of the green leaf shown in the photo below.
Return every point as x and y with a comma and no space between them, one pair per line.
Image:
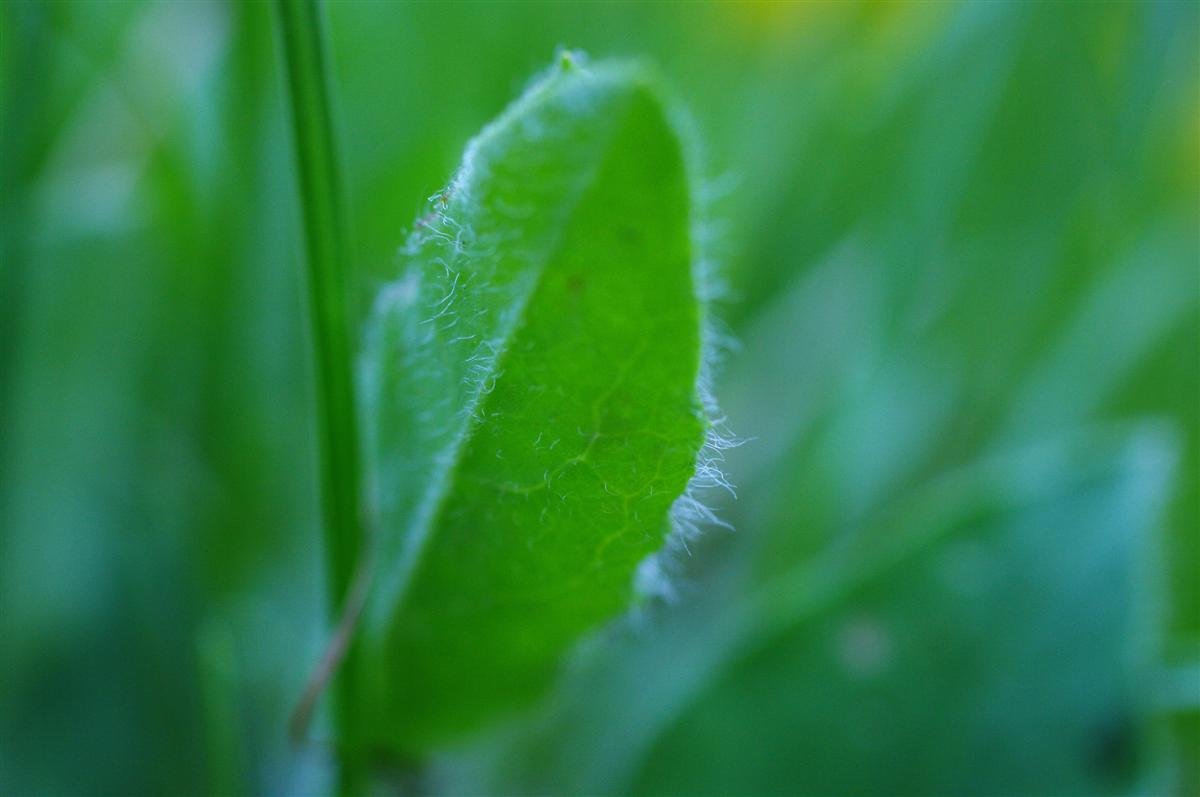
531,395
991,639
989,635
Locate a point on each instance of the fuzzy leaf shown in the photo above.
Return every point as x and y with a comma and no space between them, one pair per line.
531,392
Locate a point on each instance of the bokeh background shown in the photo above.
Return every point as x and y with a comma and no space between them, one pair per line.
959,245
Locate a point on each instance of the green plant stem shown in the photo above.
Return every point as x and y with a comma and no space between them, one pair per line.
329,303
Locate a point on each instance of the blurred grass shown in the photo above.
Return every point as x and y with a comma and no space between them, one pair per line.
949,231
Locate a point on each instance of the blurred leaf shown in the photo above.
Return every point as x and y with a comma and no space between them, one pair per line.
984,636
530,382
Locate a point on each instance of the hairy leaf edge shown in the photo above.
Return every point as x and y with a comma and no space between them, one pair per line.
690,514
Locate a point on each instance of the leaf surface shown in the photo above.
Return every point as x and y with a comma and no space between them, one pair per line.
991,639
531,391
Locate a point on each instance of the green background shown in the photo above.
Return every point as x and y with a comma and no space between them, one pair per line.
949,235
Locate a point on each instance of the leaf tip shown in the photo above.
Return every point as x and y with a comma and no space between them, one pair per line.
570,60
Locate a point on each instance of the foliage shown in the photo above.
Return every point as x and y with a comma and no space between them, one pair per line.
531,385
960,244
